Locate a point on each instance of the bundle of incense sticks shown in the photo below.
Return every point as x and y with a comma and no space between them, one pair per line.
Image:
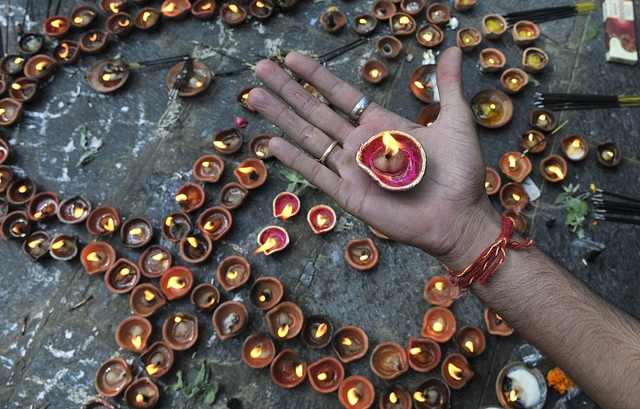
159,61
627,211
558,102
549,13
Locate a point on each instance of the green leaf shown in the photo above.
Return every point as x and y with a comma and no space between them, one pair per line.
580,233
83,137
534,81
87,157
179,383
291,187
593,32
583,208
210,397
202,376
562,198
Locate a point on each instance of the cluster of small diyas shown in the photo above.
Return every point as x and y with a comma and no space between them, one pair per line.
333,20
120,24
108,75
495,324
180,331
402,24
285,205
515,166
6,177
266,293
43,206
158,359
196,248
430,35
492,181
456,371
39,67
37,245
356,392
233,272
470,341
145,300
133,333
389,360
10,111
463,5
203,9
228,141
326,375
350,343
259,146
361,254
112,6
141,394
374,71
317,331
232,14
518,219
76,209
147,18
83,16
493,26
271,239
215,222
388,47
521,385
232,195
321,219
438,324
23,89
205,297
258,351
176,282
288,369
196,80
608,153
423,354
432,393
543,119
553,168
492,108
56,26
383,9
491,60
468,38
525,32
176,226
67,52
439,291
412,7
514,197
438,13
285,320
574,147
423,83
395,398
97,257
122,276
154,261
230,319
112,377
251,173
176,9
15,225
365,24
533,141
64,247
30,43
136,232
190,197
534,60
261,9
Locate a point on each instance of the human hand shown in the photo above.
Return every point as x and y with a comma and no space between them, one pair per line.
447,215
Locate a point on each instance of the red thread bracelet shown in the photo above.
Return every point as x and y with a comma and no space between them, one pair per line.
490,259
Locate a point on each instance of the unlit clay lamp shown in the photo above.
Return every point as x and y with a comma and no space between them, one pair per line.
271,239
266,293
196,248
438,324
94,41
258,351
374,71
285,320
203,9
456,371
37,245
215,222
176,9
251,173
146,299
190,197
56,26
438,13
288,369
23,89
440,291
525,32
364,24
521,385
533,141
64,247
356,392
176,282
361,254
232,14
30,43
321,219
229,319
468,38
402,24
67,52
76,209
423,83
136,232
232,195
122,276
112,377
326,375
388,47
119,24
543,119
383,9
389,360
395,398
15,225
470,340
534,60
423,354
40,66
574,147
154,261
196,80
43,206
176,226
261,9
259,146
317,331
413,7
133,333
180,331
208,168
141,394
430,35
228,141
83,16
97,257
285,205
205,297
492,182
20,191
6,177
233,272
333,20
108,75
518,220
10,111
608,153
432,393
350,343
493,26
553,168
463,5
147,18
515,166
492,108
492,60
496,325
158,359
112,6
514,197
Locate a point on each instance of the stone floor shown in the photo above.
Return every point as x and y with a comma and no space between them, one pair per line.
51,352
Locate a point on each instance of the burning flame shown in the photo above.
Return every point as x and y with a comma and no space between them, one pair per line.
438,326
454,371
136,341
322,376
124,271
439,286
18,60
114,7
492,61
283,331
321,220
168,221
152,368
16,86
199,84
181,198
169,8
256,351
177,320
158,257
176,283
419,396
322,329
260,4
135,231
145,16
530,136
352,396
415,351
22,189
514,81
37,215
206,164
287,211
418,84
148,295
57,245
363,257
428,36
555,169
34,243
512,162
513,396
393,398
262,298
78,19
109,225
206,7
210,225
41,65
391,145
78,211
374,73
232,275
346,342
56,23
123,23
404,20
139,398
2,111
220,144
299,370
193,242
93,37
268,245
93,256
65,50
516,197
470,346
233,8
576,143
106,77
362,21
246,170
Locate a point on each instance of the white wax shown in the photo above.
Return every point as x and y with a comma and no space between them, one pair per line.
526,386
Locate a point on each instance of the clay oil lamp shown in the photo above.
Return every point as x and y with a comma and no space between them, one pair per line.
203,9
176,9
543,119
20,191
112,377
190,197
321,219
251,173
383,9
6,177
74,210
395,398
388,47
496,325
438,324
108,75
243,97
146,299
56,26
67,52
470,340
4,151
412,7
518,220
433,393
15,225
43,206
491,60
285,320
233,272
553,168
492,182
333,20
176,282
493,26
520,385
317,331
133,333
229,319
326,375
64,247
533,141
112,6
608,154
288,369
285,5
232,195
468,38
514,197
38,67
266,293
356,392
141,394
402,24
83,16
196,248
180,331
258,351
37,245
10,111
23,89
196,81
122,276
389,360
228,141
285,205
438,13
374,71
158,359
574,147
261,9
350,343
525,32
361,254
364,24
103,221
154,261
136,232
515,166
259,146
208,168
423,83
98,404
94,41
439,291
232,14
30,43
120,24
492,108
12,64
428,114
463,5
395,160
215,222
97,257
271,239
176,226
147,18
534,60
205,297
423,354
456,371
430,35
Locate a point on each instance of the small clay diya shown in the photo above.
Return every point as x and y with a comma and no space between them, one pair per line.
574,147
423,354
154,261
492,108
553,168
232,14
543,119
37,245
112,377
64,247
20,191
356,392
83,16
180,331
402,24
176,282
67,52
395,398
233,272
98,404
438,13
514,197
383,9
196,248
136,232
76,209
518,220
122,276
205,297
534,60
285,205
440,291
492,182
470,340
317,331
413,7
97,257
56,26
10,111
493,26
232,195
389,360
43,206
432,393
120,24
258,351
521,385
176,226
40,66
261,9
112,6
229,319
190,197
133,333
29,43
271,239
288,369
15,225
196,80
147,18
285,320
326,375
321,219
496,325
608,154
208,168
492,60
23,89
333,20
428,114
463,5
388,47
12,64
6,177
374,71
438,324
108,75
525,32
259,146
215,222
423,83
228,141
176,9
515,166
350,343
430,35
141,394
251,173
203,9
145,300
94,41
456,371
361,254
533,141
468,38
364,24
266,293
158,359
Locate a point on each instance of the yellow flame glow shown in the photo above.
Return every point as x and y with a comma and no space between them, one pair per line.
256,351
454,371
321,330
470,346
136,341
93,256
287,211
283,331
268,245
148,295
419,396
352,396
176,283
181,198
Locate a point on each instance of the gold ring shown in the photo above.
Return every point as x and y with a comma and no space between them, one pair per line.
326,153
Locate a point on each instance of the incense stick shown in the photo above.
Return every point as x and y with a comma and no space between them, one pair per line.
340,51
151,63
558,101
549,13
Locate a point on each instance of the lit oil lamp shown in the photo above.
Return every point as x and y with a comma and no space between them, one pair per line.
122,276
176,282
258,351
203,9
534,60
97,257
266,293
491,60
608,154
39,66
285,320
232,14
438,324
112,377
428,115
463,5
67,52
43,206
20,191
361,254
383,9
205,297
432,393
29,43
232,195
333,20
520,385
94,41
389,360
243,97
145,300
514,197
456,371
112,6
402,24
120,24
76,209
136,232
23,89
533,141
15,225
515,166
141,394
326,375
518,220
574,147
196,81
271,239
553,168
56,26
176,9
180,331
251,173
430,35
496,325
317,331
364,24
12,64
37,245
261,9
321,219
158,359
108,75
413,7
190,197
388,47
493,26
288,369
6,177
196,248
374,71
154,261
350,343
233,272
228,141
133,333
176,226
229,319
492,181
543,119
83,16
470,340
64,247
103,221
439,291
215,222
208,168
395,398
356,392
468,38
492,108
147,18
10,111
525,32
285,205
259,146
423,354
438,13
423,83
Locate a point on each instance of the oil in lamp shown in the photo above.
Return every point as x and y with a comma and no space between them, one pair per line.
374,71
154,261
133,333
266,293
141,394
208,168
97,257
389,360
64,247
229,319
533,141
145,300
233,272
203,9
228,141
514,197
15,225
259,146
251,173
495,324
271,239
321,219
553,168
423,354
94,41
10,111
364,24
492,60
440,291
608,153
176,9
543,119
326,375
112,6
317,331
470,340
383,9
413,7
180,331
468,38
356,392
492,181
232,195
432,393
23,89
136,232
67,52
350,343
76,209
515,166
39,66
430,35
574,147
534,60
29,43
122,276
261,9
215,222
395,398
521,385
285,320
438,324
232,14
205,297
147,18
258,351
43,206
285,205
176,226
158,359
12,64
112,377
108,75
190,197
493,26
196,248
361,254
492,108
389,46
120,24
402,24
438,13
56,26
333,20
83,16
37,245
456,371
176,282
288,369
525,32
463,5
196,80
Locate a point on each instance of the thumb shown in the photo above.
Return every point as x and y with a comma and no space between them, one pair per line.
453,105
